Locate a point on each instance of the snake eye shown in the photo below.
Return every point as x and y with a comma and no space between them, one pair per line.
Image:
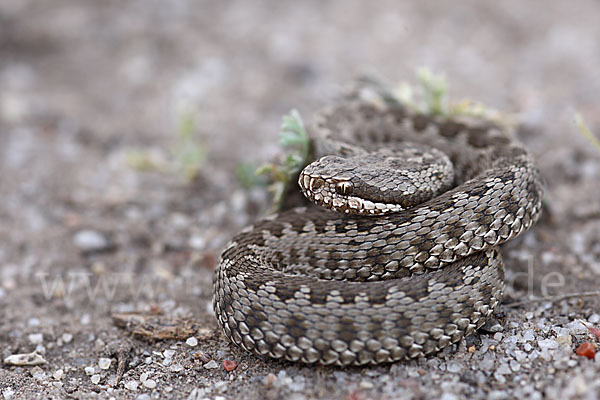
343,188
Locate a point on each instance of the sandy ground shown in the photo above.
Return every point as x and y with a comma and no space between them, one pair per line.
86,238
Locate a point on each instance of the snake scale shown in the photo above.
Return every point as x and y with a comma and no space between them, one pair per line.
399,265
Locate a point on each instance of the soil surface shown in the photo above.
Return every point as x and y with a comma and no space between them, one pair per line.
107,249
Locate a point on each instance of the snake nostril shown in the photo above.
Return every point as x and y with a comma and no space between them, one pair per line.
316,183
344,188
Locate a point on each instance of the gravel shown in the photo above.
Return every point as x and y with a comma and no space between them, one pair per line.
212,364
98,217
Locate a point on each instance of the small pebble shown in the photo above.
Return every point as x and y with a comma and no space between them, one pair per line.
25,359
529,315
499,377
547,344
90,240
38,373
58,374
533,355
205,333
229,365
99,344
104,363
269,380
576,327
503,369
454,367
176,368
95,379
67,337
520,355
192,342
8,393
560,331
132,385
586,349
514,365
487,364
298,384
89,370
221,386
565,340
35,338
150,383
212,364
197,242
528,336
169,353
366,385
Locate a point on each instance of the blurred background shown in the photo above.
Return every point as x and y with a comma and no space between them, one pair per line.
123,123
88,89
120,70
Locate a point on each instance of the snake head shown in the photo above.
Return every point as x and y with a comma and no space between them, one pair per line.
330,182
379,182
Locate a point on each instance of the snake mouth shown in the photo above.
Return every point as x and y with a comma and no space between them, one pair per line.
357,205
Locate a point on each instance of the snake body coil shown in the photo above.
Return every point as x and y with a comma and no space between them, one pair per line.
334,287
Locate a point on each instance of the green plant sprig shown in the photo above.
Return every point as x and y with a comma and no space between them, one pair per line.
294,138
585,131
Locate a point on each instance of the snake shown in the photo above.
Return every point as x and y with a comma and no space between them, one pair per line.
399,255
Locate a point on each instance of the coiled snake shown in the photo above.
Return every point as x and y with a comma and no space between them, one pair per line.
402,266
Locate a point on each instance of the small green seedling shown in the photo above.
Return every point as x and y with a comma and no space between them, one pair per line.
586,132
294,138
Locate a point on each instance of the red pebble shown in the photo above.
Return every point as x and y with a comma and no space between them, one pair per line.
586,349
231,365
